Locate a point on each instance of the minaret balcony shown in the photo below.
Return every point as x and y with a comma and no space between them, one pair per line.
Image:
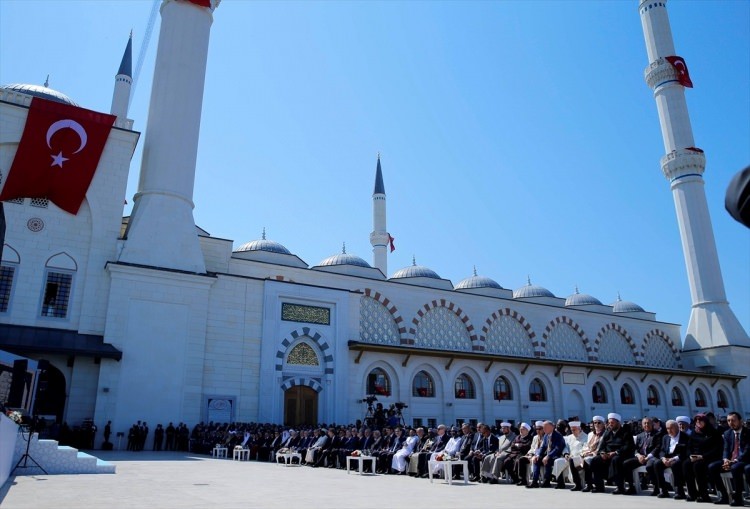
683,162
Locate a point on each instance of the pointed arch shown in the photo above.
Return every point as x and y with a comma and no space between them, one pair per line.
511,314
656,333
377,323
392,373
577,328
453,308
392,309
61,260
622,332
314,337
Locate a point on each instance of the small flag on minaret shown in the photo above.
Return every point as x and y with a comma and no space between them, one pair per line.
390,241
202,3
683,76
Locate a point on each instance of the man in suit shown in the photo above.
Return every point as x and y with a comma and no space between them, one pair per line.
615,447
385,460
647,445
673,451
551,448
487,444
735,459
438,444
492,466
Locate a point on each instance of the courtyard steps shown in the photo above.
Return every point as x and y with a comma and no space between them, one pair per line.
56,459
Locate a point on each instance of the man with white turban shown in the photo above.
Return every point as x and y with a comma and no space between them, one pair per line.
573,448
615,447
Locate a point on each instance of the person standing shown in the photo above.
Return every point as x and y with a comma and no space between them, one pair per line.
158,437
170,433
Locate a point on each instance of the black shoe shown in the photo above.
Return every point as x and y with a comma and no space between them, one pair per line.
663,495
631,491
546,484
576,488
587,489
618,491
703,499
560,486
723,500
493,481
520,483
534,484
737,503
680,496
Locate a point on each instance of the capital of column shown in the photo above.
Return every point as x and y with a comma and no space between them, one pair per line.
683,162
658,72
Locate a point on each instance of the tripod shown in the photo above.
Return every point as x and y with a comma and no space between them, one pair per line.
26,456
369,419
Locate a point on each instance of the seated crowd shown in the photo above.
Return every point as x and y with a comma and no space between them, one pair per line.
683,456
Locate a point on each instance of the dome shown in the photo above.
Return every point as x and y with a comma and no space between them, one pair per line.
39,91
581,299
344,259
415,270
476,281
529,291
264,245
625,306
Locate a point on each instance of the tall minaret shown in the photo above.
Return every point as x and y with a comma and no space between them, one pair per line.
161,231
712,322
379,235
123,82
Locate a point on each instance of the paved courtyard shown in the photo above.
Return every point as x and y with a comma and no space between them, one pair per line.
165,480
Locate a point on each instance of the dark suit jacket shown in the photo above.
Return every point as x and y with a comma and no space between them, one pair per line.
648,443
744,456
439,443
554,450
488,445
620,441
680,450
466,445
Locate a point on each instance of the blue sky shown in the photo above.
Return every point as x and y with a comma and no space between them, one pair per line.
519,137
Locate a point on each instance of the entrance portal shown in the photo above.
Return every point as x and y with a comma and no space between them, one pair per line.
300,406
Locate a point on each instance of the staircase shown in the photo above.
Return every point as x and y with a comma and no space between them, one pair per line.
56,459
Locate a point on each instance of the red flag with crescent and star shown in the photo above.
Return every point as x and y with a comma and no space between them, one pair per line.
683,76
58,154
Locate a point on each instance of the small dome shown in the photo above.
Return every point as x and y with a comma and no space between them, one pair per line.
344,259
625,306
476,281
581,299
529,291
415,270
39,91
264,245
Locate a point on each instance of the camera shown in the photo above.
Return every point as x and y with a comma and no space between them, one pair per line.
401,405
369,399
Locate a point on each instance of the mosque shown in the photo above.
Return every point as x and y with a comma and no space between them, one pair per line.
149,317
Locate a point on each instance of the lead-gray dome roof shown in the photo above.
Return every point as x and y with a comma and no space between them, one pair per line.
581,299
529,291
626,306
344,259
264,244
476,281
415,270
39,91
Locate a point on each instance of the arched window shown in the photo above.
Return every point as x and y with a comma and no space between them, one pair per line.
652,396
700,398
537,391
378,383
598,394
423,386
677,399
464,387
503,390
303,355
721,399
626,395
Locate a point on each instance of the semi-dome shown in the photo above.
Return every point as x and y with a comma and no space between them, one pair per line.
344,259
530,291
581,299
476,281
415,270
626,306
39,91
264,245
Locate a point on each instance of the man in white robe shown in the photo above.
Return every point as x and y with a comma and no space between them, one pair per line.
399,459
451,449
574,444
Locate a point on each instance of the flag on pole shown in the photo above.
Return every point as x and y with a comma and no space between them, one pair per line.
202,3
683,76
58,154
390,241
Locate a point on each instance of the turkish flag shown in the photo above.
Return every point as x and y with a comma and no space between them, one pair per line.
390,241
58,154
202,3
683,76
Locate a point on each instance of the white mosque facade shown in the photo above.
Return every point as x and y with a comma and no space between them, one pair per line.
187,327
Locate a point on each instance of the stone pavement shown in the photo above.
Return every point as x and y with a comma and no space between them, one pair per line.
181,480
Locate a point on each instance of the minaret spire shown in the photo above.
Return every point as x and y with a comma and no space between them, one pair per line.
123,82
379,237
712,322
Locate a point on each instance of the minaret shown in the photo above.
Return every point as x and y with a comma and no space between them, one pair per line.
161,231
712,322
123,82
379,236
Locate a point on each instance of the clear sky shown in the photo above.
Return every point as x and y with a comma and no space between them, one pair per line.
519,136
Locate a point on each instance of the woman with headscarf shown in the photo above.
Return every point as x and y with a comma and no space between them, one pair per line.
704,447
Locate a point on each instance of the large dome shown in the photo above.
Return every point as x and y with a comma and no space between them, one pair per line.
476,281
530,291
581,299
415,270
626,306
39,91
344,259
